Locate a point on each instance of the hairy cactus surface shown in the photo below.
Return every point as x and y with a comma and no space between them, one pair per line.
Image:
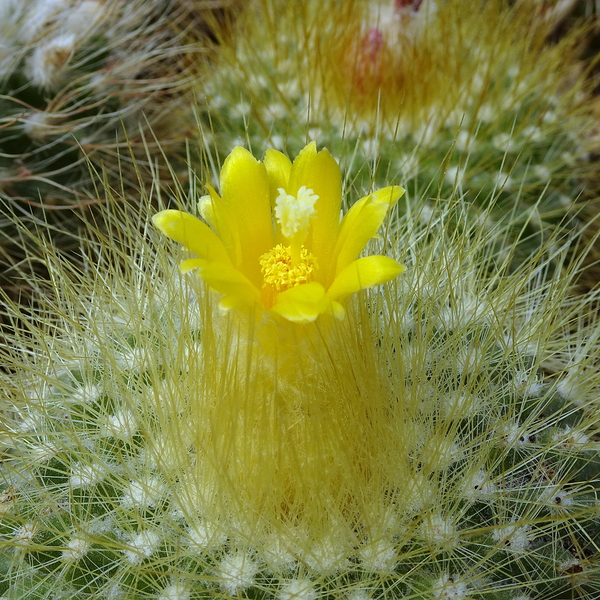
431,438
444,431
72,74
89,80
89,85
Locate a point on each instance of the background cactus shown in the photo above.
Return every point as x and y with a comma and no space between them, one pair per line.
83,80
88,84
444,97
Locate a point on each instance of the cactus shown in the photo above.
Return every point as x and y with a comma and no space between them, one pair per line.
89,80
439,442
448,450
453,97
87,85
75,73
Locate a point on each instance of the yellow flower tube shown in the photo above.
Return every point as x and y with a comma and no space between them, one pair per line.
288,412
274,241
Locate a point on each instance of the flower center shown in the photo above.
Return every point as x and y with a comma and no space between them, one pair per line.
280,273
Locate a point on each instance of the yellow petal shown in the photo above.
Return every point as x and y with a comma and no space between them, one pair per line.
212,211
363,273
192,233
185,266
361,223
224,223
320,172
246,216
237,290
278,167
303,303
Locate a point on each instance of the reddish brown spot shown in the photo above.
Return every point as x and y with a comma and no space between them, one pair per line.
369,61
414,4
574,569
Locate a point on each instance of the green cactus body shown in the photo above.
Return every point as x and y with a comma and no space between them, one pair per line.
490,391
479,365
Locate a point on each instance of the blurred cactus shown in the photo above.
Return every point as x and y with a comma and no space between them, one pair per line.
93,84
442,97
86,80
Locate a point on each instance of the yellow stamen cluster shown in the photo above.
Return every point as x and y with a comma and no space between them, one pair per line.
279,271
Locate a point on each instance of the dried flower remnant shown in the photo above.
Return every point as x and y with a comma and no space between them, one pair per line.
369,61
403,4
378,53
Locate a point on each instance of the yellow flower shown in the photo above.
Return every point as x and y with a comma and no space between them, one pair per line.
274,239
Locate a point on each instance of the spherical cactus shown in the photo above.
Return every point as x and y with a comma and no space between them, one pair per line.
93,81
87,86
445,97
435,440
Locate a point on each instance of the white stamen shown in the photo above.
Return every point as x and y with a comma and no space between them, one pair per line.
293,213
